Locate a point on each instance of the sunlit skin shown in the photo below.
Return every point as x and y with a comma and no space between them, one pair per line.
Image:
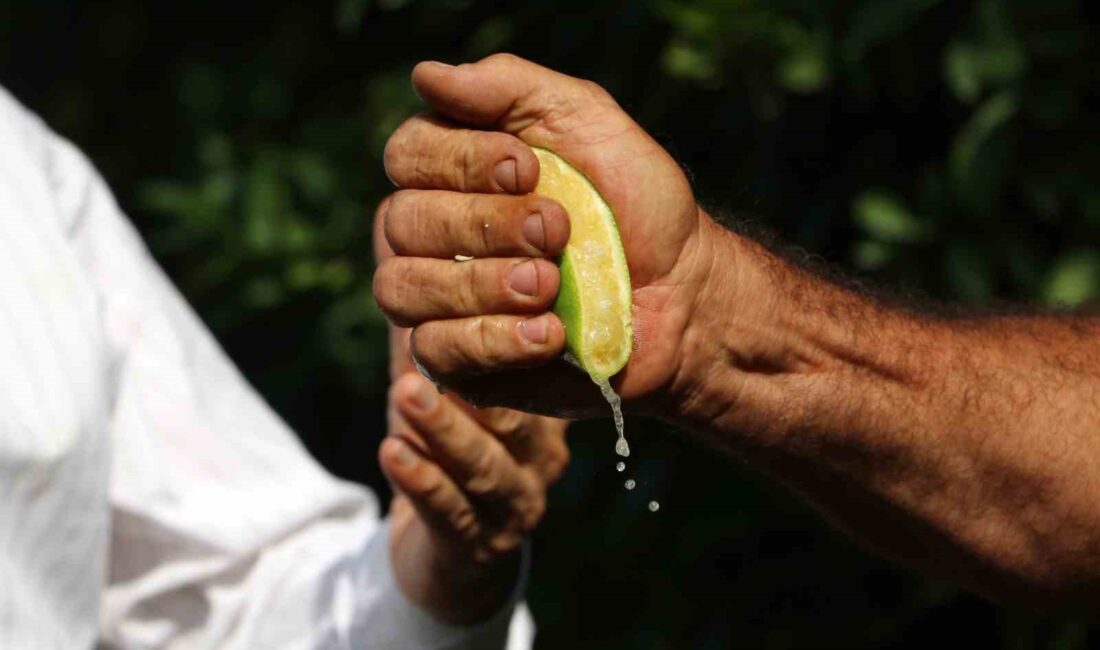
661,226
965,447
469,485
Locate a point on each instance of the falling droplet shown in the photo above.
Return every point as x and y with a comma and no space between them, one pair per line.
629,484
620,466
621,448
654,506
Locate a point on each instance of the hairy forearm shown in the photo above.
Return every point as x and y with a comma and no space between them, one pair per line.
965,446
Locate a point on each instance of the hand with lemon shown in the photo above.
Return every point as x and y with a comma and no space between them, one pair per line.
584,240
524,169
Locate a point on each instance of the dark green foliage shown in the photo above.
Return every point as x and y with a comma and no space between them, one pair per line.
946,148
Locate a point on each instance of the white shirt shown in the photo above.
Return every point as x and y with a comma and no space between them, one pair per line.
148,496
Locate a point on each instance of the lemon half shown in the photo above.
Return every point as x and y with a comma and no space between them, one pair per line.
594,300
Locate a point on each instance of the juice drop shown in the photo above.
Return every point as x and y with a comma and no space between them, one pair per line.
654,506
621,448
620,466
629,484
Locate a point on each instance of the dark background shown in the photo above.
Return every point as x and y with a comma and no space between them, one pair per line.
946,148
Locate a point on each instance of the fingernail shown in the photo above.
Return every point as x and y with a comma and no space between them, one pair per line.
534,231
535,330
505,175
524,278
439,64
402,454
426,396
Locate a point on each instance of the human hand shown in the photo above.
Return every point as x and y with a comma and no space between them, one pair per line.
481,326
469,485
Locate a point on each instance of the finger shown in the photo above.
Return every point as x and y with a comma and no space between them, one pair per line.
440,503
451,350
427,153
400,359
411,290
435,223
535,441
477,462
514,95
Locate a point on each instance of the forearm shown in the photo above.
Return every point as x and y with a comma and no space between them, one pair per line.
963,446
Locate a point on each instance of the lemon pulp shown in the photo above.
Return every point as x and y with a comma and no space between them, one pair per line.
594,301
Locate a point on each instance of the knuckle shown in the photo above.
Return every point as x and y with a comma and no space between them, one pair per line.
422,350
478,212
465,154
464,521
503,542
484,474
440,423
470,290
505,423
394,153
595,90
505,58
532,512
547,207
392,393
426,487
383,208
393,219
382,285
557,463
487,349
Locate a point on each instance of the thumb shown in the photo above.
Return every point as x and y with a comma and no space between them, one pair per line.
517,96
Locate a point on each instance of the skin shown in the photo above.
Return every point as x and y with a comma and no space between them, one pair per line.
965,446
469,484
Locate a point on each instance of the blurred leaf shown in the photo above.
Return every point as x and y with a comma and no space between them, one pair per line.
872,255
264,201
994,113
685,61
1074,279
313,174
805,69
990,60
886,218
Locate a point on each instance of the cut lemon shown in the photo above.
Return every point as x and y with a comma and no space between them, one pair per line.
594,299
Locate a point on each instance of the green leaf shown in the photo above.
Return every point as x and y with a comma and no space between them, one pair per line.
885,218
990,116
805,68
264,202
1074,279
872,255
685,61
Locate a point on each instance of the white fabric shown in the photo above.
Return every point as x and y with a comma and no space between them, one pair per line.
148,497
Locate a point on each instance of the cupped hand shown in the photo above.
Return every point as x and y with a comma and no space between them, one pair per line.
469,484
482,327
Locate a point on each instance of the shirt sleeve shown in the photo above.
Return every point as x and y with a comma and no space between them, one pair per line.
225,533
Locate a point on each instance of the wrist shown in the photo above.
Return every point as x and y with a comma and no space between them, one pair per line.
769,347
471,590
453,586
